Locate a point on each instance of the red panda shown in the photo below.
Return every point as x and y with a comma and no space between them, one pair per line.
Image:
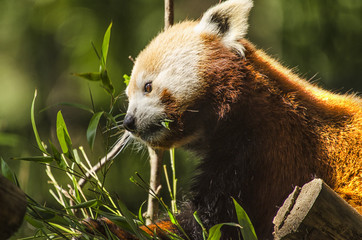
258,127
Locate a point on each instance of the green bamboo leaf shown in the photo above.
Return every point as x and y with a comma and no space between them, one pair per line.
36,134
110,118
75,186
105,45
118,220
140,215
49,215
32,221
126,79
247,230
39,159
92,76
172,217
96,52
75,105
92,128
129,218
198,220
106,82
41,213
88,204
6,171
61,221
76,157
62,134
57,156
166,123
68,141
215,231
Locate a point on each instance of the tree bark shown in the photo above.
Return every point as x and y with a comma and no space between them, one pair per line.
314,212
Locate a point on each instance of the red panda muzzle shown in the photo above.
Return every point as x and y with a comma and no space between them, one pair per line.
129,123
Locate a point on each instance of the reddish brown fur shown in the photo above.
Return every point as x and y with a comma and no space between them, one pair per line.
263,130
274,131
339,128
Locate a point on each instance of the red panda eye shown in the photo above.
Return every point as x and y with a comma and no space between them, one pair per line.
148,87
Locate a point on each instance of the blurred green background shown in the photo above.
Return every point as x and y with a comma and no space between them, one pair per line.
42,42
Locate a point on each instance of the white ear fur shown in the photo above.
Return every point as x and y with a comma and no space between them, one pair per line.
228,20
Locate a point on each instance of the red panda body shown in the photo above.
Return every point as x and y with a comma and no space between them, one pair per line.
259,129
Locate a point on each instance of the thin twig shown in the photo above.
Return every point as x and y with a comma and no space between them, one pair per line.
155,184
110,156
156,155
132,59
169,13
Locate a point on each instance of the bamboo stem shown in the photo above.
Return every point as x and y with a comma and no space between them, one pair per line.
169,13
156,155
155,184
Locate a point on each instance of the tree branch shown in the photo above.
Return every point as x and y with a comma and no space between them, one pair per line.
169,13
155,184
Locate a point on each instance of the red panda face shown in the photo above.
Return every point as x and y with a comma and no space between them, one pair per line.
167,86
164,84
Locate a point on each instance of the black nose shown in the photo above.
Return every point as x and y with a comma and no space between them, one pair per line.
129,123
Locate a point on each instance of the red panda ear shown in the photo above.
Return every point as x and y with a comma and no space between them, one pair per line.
228,20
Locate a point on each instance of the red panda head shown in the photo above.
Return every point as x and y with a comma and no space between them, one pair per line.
168,91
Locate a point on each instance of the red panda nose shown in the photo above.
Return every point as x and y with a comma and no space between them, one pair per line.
129,123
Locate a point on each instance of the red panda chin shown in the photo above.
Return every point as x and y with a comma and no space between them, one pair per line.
153,135
167,137
162,140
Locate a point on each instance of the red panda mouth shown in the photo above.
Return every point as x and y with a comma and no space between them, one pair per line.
151,133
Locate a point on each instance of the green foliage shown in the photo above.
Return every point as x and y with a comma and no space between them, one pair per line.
126,79
73,162
92,128
6,171
102,75
105,45
139,181
247,229
63,135
131,222
76,207
205,234
36,134
166,123
244,224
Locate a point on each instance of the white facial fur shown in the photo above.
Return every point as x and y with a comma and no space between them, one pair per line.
171,64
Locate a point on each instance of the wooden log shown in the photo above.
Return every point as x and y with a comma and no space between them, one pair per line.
314,212
12,208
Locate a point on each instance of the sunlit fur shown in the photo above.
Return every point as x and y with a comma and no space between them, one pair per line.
259,128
